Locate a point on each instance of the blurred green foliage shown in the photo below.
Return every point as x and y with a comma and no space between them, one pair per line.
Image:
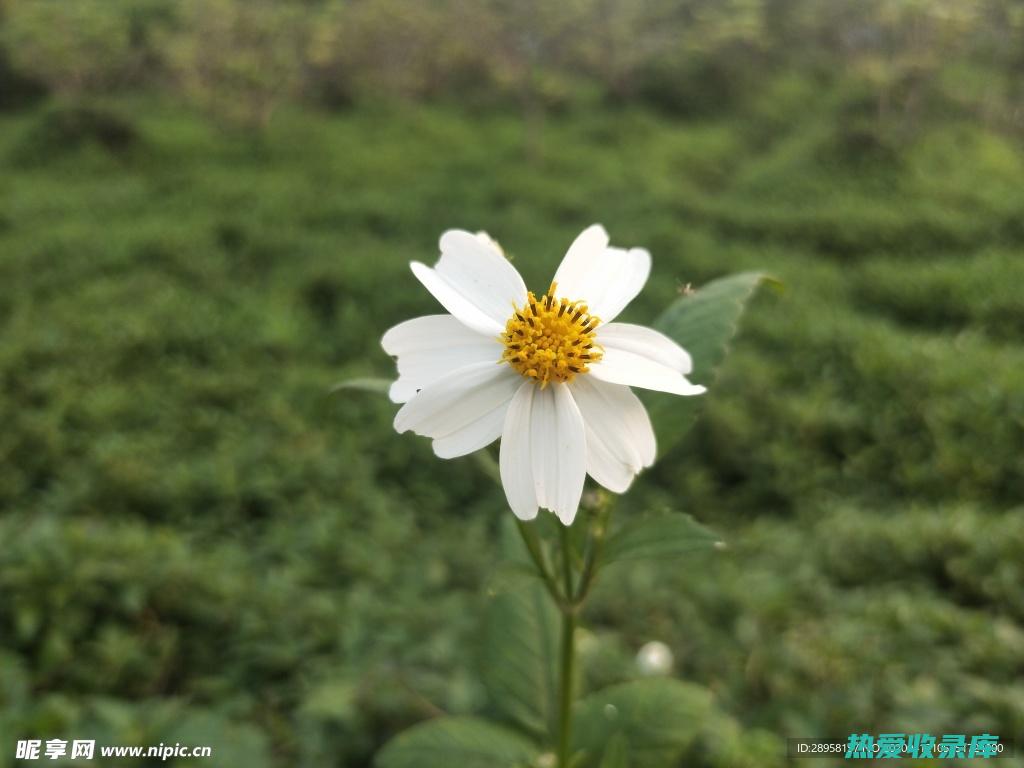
242,59
200,543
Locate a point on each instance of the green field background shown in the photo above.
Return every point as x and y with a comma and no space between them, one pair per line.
200,544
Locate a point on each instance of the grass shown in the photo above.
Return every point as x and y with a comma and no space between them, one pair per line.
202,545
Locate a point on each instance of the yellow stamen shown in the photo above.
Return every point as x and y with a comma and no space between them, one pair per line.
551,339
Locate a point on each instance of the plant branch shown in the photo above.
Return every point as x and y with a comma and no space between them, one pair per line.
568,656
529,536
595,544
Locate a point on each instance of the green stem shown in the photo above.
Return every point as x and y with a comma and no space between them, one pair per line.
595,544
568,656
533,546
563,532
569,597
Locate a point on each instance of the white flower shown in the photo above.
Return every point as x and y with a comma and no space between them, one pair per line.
550,376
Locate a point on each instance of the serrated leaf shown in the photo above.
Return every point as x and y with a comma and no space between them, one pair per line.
658,718
466,742
364,384
702,323
521,627
659,537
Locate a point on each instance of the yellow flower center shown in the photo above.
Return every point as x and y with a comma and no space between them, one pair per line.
551,339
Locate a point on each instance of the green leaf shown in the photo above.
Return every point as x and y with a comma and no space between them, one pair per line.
658,718
14,685
238,743
702,323
658,537
331,699
364,384
466,742
521,627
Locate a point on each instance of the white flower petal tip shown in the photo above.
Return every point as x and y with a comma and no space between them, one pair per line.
643,357
620,437
489,241
647,342
452,296
474,436
514,458
558,451
566,517
398,392
429,348
463,411
543,452
472,280
606,278
526,515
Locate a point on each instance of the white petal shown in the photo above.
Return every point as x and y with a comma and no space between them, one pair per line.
607,279
606,468
473,281
618,366
452,299
620,439
490,242
479,434
514,461
430,347
457,400
647,342
642,357
584,251
558,451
